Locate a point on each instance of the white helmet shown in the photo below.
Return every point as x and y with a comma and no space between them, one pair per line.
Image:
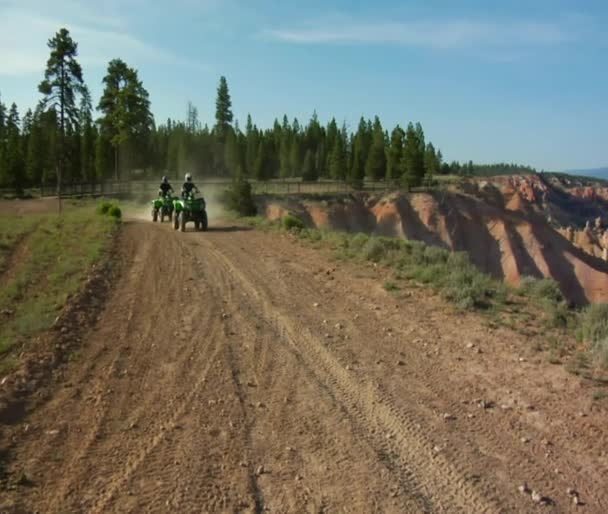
188,177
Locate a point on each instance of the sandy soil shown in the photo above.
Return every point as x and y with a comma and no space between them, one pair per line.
239,371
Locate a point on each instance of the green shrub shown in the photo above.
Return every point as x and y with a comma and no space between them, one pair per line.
115,212
292,223
593,323
541,288
389,285
374,250
104,207
239,198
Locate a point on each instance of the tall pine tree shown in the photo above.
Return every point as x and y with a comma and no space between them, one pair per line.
61,85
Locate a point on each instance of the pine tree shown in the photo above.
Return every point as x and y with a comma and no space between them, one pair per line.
259,167
357,167
309,172
337,159
375,167
62,83
14,159
232,154
413,158
87,140
2,141
223,110
103,156
192,123
125,108
395,154
295,155
431,164
284,157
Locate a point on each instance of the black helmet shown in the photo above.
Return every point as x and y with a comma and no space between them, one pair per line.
188,177
165,180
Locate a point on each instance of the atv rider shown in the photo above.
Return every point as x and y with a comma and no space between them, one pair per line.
165,188
188,186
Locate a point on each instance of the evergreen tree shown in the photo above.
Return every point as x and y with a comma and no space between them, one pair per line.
357,167
309,172
232,155
103,156
260,168
87,140
223,110
295,155
413,158
14,160
3,172
375,167
62,83
252,146
431,161
337,159
125,108
395,154
284,157
192,123
35,154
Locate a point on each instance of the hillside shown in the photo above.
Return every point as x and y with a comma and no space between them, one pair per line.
511,227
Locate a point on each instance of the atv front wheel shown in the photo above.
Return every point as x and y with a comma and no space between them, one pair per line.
176,221
204,222
182,221
154,215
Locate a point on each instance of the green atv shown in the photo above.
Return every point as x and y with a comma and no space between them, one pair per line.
188,209
162,207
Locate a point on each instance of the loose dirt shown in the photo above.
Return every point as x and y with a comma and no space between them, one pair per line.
239,371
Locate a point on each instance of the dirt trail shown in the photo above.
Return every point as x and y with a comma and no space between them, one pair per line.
238,371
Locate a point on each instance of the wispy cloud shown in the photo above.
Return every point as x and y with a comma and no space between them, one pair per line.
434,34
25,30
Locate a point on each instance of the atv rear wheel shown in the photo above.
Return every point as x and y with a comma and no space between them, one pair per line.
176,221
162,216
154,215
204,222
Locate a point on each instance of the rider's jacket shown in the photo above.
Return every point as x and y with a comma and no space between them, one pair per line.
165,188
187,188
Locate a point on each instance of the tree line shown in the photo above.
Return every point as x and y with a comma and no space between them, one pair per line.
60,140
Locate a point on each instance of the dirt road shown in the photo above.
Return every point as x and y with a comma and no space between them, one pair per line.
239,371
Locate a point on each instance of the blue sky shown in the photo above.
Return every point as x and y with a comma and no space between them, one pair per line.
518,81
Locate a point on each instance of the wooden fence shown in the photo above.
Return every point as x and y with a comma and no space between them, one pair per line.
135,188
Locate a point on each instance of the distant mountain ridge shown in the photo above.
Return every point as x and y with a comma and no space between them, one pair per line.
593,172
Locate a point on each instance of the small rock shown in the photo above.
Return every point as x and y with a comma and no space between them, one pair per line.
470,346
522,359
338,326
448,417
571,492
52,432
486,404
224,315
576,500
400,363
524,489
298,477
537,497
260,470
348,367
315,305
525,440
